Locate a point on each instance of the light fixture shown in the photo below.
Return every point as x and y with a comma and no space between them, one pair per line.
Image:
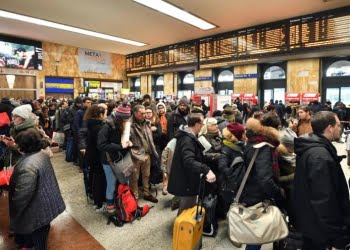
10,80
177,13
37,21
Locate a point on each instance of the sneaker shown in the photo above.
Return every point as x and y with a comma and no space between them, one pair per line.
101,209
111,209
175,203
150,198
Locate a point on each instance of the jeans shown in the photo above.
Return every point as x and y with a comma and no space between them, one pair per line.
253,247
111,182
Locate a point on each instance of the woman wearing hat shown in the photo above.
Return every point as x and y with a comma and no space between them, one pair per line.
233,146
109,141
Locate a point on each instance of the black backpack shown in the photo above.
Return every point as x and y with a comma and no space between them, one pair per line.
234,174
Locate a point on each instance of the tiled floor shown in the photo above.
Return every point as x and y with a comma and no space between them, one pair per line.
80,227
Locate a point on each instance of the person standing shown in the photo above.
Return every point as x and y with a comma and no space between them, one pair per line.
188,164
142,140
177,118
303,126
321,195
34,196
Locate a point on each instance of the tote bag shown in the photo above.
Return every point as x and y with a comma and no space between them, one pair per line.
258,224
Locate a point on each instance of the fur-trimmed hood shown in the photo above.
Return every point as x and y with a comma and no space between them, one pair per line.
255,128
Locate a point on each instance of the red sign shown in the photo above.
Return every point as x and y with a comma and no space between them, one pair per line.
292,97
309,97
234,96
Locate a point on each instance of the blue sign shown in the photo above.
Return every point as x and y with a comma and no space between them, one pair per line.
59,85
203,78
245,76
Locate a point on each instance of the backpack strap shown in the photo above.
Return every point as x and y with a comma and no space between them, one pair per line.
250,166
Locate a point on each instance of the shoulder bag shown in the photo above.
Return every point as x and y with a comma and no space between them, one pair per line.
258,224
123,167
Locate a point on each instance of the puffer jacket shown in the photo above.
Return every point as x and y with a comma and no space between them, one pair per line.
34,196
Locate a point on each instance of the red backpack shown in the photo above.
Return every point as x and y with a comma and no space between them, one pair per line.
127,209
4,119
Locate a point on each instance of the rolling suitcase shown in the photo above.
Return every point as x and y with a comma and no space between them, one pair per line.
188,227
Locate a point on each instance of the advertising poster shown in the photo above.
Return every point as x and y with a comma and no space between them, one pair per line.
94,61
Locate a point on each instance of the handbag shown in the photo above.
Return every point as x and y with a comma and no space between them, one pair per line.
122,167
258,224
6,173
58,137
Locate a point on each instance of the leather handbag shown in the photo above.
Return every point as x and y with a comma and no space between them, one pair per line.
258,224
122,167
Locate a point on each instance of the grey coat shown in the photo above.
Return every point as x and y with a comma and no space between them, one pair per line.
34,196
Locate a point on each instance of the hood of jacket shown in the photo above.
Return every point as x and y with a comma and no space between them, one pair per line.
307,141
255,128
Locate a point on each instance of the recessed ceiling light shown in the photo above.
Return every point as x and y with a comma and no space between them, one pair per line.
59,26
177,13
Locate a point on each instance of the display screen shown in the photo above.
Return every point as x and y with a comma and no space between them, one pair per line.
302,34
21,54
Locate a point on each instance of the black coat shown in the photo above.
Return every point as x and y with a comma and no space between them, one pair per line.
109,140
321,196
93,157
34,196
260,185
187,165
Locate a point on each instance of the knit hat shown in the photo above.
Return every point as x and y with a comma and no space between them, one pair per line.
236,129
207,122
287,138
183,100
161,104
228,110
123,111
23,111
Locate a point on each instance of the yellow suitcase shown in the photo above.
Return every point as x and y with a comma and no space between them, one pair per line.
188,229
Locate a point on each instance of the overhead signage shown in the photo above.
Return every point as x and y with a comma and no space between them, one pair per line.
94,61
59,85
203,78
203,90
245,76
23,72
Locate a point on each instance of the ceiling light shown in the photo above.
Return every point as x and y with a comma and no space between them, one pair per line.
49,24
177,13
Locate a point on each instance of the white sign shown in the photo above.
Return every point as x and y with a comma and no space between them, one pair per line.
94,61
23,72
203,90
117,86
222,100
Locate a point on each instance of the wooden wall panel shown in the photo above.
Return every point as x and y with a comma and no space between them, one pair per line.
169,83
247,85
143,87
21,82
203,73
303,75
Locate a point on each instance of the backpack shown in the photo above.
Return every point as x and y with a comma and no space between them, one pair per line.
234,174
127,209
4,119
156,173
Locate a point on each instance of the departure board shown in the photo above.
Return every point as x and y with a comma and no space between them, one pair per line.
157,59
328,29
214,48
182,54
319,31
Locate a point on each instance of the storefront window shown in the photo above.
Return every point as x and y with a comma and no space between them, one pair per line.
160,81
189,79
225,76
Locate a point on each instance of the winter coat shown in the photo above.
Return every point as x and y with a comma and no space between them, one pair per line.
93,155
321,196
109,141
287,168
261,184
304,127
34,196
187,165
174,121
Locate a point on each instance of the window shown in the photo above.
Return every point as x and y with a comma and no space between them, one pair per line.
274,72
160,81
339,68
225,76
189,79
137,82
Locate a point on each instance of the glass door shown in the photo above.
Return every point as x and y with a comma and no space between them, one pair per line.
345,95
279,94
332,94
268,95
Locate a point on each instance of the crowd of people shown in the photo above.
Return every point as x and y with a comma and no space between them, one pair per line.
300,173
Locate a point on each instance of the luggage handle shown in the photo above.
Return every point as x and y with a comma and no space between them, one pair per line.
201,182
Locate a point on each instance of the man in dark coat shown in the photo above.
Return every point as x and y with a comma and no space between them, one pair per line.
321,196
188,164
177,118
